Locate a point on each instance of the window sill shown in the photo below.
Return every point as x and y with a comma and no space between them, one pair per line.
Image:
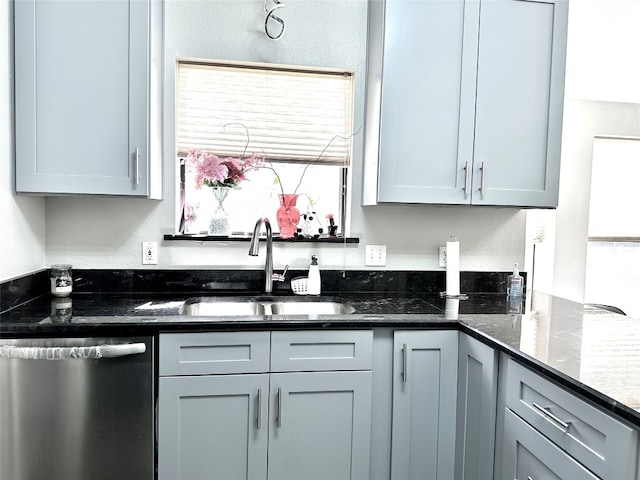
247,238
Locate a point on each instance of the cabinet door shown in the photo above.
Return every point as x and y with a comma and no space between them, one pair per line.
213,427
427,101
529,455
604,444
424,404
319,425
81,95
520,94
476,417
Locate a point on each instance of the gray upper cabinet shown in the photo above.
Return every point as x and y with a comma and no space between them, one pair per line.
465,102
520,95
83,96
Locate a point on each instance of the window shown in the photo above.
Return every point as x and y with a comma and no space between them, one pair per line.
613,248
300,120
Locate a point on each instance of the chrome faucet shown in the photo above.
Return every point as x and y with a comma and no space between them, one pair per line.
269,276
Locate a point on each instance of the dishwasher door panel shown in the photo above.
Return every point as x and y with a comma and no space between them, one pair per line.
77,418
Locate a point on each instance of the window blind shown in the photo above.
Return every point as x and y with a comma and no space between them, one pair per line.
290,114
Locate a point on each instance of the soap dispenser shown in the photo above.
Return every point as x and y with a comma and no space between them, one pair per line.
313,280
515,283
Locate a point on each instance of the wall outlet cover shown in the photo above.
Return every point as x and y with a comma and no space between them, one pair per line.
149,253
375,255
442,256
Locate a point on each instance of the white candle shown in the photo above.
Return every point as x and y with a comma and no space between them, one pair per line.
453,267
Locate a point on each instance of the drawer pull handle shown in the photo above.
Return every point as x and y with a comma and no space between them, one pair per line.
546,412
467,177
279,417
137,159
259,414
404,363
529,477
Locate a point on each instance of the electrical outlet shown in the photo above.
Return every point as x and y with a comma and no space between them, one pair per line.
375,255
442,256
149,253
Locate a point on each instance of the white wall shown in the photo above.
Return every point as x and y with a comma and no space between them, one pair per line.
602,52
602,97
107,232
22,218
583,121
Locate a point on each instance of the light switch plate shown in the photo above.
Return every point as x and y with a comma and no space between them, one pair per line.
375,255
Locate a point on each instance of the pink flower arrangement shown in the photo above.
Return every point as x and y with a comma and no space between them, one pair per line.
213,171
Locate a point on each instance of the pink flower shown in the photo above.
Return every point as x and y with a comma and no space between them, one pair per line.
189,212
212,171
330,218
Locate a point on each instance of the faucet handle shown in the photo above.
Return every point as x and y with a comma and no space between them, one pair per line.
279,277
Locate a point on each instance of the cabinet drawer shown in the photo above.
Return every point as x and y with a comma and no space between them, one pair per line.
597,440
214,353
320,350
528,454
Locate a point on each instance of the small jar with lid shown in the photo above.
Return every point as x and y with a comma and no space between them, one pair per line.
61,280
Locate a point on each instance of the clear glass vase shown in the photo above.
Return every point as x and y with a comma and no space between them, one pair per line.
219,224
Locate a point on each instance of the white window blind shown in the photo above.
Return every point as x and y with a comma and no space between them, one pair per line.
291,114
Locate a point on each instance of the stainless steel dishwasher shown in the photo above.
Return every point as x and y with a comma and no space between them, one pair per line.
77,409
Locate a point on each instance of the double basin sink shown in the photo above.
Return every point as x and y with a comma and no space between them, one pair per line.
226,306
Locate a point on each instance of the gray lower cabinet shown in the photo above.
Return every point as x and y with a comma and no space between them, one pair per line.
298,424
548,432
529,455
319,426
465,102
424,404
83,95
213,427
476,415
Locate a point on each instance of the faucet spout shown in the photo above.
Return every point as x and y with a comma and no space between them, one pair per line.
254,249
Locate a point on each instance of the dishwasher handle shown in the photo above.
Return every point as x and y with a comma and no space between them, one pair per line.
74,353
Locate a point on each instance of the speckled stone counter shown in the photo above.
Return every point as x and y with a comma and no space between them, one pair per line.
592,352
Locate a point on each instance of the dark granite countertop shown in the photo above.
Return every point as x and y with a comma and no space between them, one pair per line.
593,352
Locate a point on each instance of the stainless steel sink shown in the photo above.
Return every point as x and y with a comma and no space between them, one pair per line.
310,308
251,306
221,306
